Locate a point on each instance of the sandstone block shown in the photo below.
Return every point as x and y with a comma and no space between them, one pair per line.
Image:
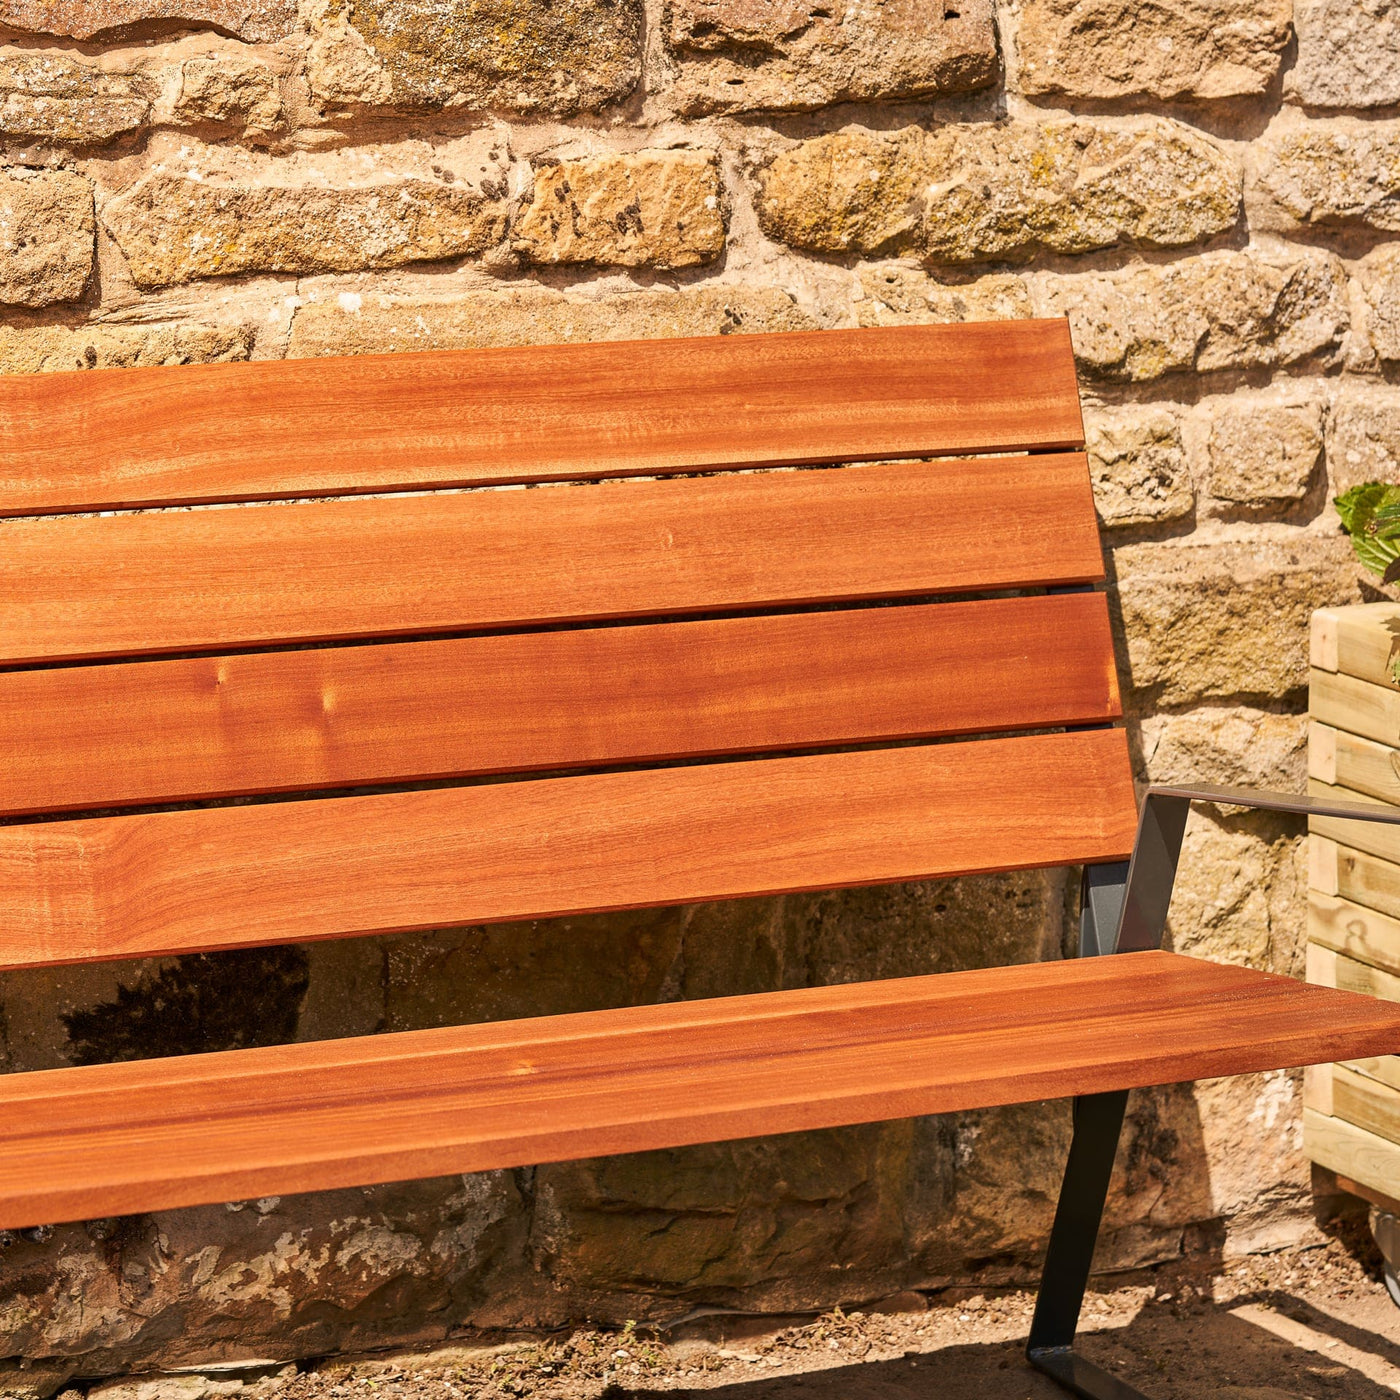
1379,274
966,193
1264,454
1341,173
1348,53
351,324
1223,620
173,228
1234,745
745,55
897,296
47,236
52,97
1200,50
256,20
35,349
647,209
555,56
1363,441
1218,311
1137,463
228,88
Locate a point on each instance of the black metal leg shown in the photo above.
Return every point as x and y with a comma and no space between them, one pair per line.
1098,1118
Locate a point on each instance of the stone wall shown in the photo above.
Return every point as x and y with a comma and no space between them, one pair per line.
1209,190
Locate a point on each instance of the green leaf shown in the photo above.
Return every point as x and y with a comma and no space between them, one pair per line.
1359,504
1371,516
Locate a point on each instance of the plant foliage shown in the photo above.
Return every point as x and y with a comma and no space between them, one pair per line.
1371,516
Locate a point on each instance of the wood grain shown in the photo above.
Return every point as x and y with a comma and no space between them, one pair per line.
1349,761
194,580
112,438
146,732
1364,934
1357,706
118,1139
1348,1150
177,882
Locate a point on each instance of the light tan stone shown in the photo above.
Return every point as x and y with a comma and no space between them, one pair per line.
1348,53
1363,439
555,56
1342,173
54,97
1264,453
647,209
897,296
228,88
1218,311
1137,463
1189,50
35,349
1231,744
350,324
965,193
173,229
257,20
745,55
1221,620
46,236
1379,274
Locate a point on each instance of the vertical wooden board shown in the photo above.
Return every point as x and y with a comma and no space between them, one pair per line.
1355,706
1364,935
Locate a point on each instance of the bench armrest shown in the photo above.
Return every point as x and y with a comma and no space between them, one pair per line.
1157,848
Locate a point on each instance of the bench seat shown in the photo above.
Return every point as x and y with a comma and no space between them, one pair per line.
80,1142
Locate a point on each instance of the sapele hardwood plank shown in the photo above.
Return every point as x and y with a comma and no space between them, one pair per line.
112,438
230,577
117,1139
147,732
178,882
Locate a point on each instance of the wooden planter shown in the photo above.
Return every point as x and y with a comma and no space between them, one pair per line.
1351,1117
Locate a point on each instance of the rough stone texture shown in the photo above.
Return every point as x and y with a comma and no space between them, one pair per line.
46,237
1213,621
556,56
653,208
52,97
1363,439
1337,174
225,88
1137,463
351,324
1218,311
1379,275
1348,53
1264,454
1199,50
257,20
173,229
966,193
809,56
29,350
896,296
1231,744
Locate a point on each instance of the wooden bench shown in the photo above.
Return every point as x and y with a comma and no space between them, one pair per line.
726,682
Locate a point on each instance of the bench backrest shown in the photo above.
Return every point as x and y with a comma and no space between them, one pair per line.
372,625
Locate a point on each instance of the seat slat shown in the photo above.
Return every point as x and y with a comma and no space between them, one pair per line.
137,1137
179,882
229,577
147,732
114,438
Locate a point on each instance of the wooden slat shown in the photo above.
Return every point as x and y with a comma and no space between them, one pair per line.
1355,875
1351,1151
381,422
1349,761
101,736
1375,838
1364,934
1362,640
229,577
117,1139
1357,706
176,882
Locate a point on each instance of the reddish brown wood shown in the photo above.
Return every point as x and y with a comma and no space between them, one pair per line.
178,882
109,438
101,736
226,578
118,1139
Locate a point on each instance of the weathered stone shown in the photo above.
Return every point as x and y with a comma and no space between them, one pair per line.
47,236
1379,274
1215,621
53,97
1234,745
557,56
31,350
350,324
1218,311
744,55
1137,464
1348,53
174,228
1363,440
229,88
1342,173
1264,453
896,296
651,208
964,193
256,20
1192,50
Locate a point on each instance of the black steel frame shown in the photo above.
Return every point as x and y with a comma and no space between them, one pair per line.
1125,911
